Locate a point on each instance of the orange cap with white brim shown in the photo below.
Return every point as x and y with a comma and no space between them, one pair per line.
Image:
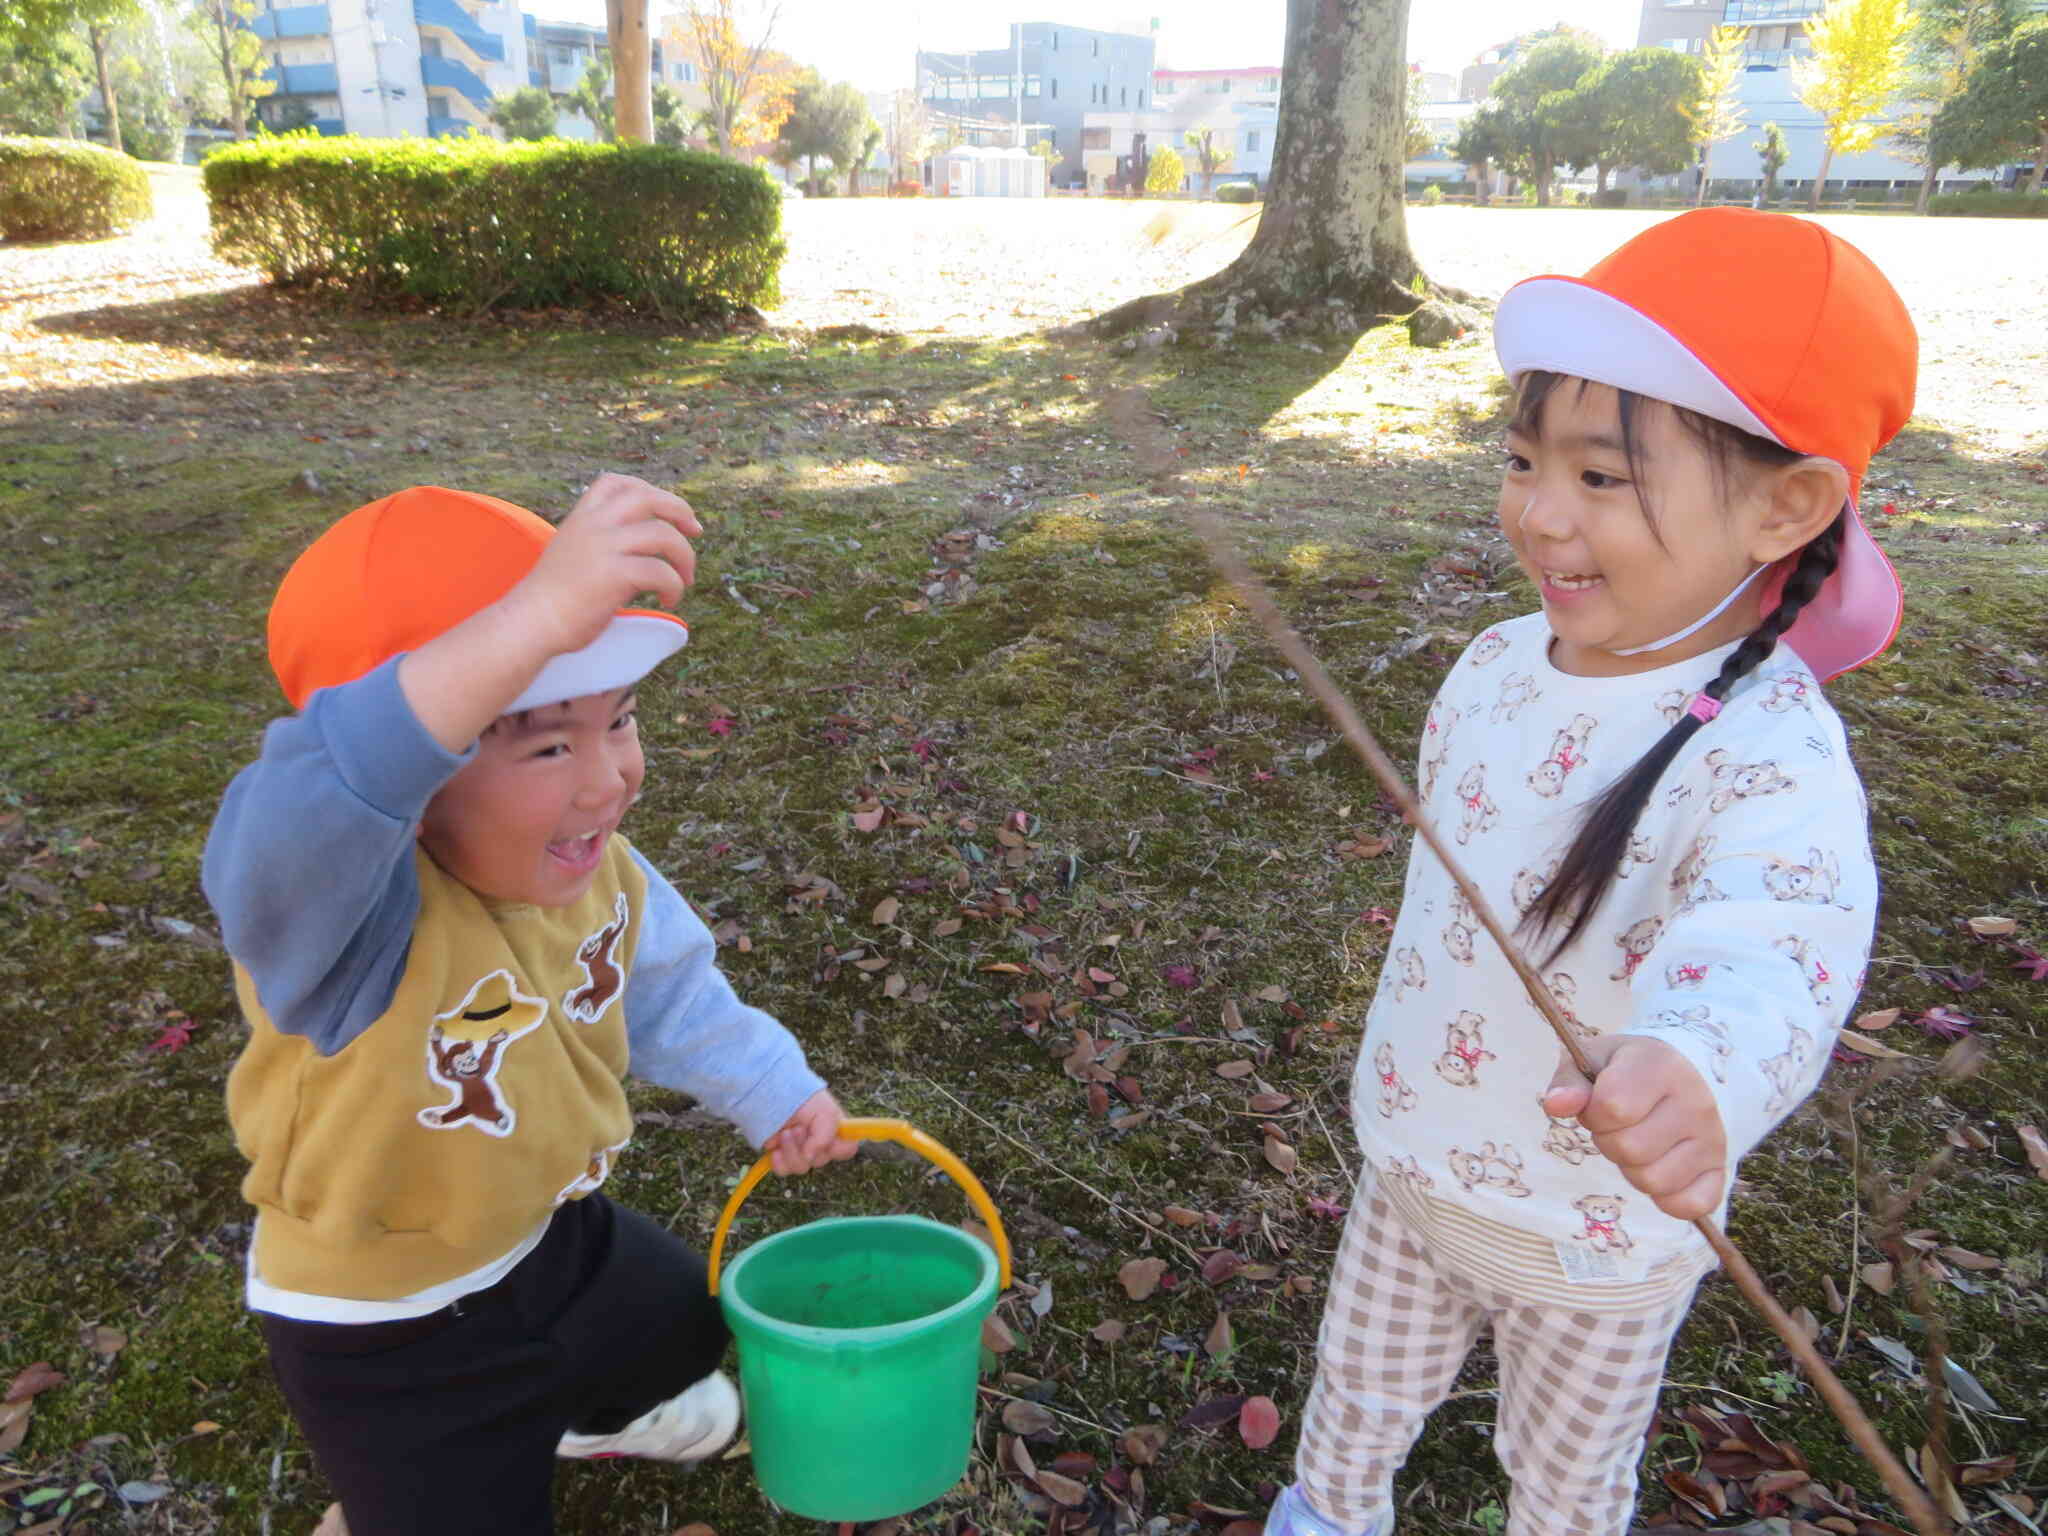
1772,324
392,575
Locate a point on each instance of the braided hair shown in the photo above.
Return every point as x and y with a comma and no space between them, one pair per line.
1589,866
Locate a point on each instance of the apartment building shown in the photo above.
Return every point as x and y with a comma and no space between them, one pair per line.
1238,108
1774,38
1048,79
426,68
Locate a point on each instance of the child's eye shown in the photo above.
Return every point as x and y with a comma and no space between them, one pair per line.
1599,480
553,749
1517,463
628,718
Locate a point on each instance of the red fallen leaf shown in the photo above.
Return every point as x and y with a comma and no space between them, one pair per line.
1378,915
1890,509
720,727
175,1037
1329,1210
1215,1412
1946,1023
2033,962
1182,976
1260,776
1074,1464
1220,1266
869,820
30,1380
1258,1422
923,749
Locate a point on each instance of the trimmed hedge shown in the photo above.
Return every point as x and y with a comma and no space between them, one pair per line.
475,223
60,189
1237,192
1989,205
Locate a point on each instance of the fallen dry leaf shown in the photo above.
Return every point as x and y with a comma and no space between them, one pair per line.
996,1336
2037,1149
946,927
30,1380
1993,927
1879,1277
1258,1422
1280,1154
1870,1047
696,1528
1236,1069
14,1419
1833,1294
1274,994
886,910
1883,1018
1220,1340
1140,1277
1963,1258
1268,1103
1968,1138
1061,1489
1022,1417
1108,1331
103,1341
1144,1443
1181,1216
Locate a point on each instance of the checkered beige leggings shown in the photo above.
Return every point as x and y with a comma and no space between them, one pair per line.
1577,1389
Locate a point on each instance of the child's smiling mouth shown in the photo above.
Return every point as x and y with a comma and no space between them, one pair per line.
1562,584
579,853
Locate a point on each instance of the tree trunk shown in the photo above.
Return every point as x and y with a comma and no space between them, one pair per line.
1926,188
1332,239
632,70
2040,163
1699,193
1820,181
226,47
1600,173
1545,169
1482,184
98,37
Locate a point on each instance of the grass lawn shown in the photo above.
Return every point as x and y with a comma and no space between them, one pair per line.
934,586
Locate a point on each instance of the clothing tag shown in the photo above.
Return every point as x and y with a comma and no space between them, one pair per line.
1583,1265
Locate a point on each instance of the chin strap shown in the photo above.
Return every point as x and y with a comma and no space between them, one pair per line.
1698,624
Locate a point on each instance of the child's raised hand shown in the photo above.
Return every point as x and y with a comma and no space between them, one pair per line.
1651,1114
623,537
811,1138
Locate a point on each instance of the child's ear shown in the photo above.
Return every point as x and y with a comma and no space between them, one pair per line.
1803,499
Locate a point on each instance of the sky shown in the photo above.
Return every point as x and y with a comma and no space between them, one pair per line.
873,44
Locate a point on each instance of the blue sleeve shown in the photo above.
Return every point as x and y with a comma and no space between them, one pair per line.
689,1032
310,861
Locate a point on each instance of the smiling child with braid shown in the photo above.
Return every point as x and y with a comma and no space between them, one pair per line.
1647,776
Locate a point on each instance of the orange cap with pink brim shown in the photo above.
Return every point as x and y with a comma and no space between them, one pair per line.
1770,323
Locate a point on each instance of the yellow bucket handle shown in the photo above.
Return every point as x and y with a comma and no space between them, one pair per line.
905,1134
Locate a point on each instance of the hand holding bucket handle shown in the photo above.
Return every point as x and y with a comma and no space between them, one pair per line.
904,1134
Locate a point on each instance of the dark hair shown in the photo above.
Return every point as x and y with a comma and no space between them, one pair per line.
1589,866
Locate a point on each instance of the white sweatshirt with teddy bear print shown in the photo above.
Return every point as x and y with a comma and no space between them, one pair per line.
1737,930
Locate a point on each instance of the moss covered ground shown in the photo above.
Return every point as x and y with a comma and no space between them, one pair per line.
936,586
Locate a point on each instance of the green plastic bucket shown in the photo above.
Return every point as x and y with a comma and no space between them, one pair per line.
860,1349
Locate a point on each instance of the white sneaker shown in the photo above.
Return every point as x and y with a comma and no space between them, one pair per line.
692,1426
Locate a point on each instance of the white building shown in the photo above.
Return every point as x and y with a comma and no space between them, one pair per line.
1238,108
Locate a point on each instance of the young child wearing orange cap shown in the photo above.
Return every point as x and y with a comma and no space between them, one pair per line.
450,959
1657,788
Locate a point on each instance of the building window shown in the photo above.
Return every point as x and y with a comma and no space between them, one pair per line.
1251,141
1031,85
1123,96
1098,49
1141,101
430,47
1163,88
1270,84
1055,84
1055,42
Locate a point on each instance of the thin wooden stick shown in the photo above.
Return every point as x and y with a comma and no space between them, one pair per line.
1917,1506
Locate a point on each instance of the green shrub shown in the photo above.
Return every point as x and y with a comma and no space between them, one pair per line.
1237,192
475,223
1613,197
1989,204
58,189
1432,196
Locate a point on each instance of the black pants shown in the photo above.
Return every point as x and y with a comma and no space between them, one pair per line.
448,1423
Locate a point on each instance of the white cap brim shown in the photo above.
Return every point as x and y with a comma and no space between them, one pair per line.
631,646
1560,325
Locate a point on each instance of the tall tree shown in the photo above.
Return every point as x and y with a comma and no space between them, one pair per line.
527,113
1165,171
1858,66
101,18
1483,142
826,122
1419,141
1211,154
1719,114
1545,118
1771,154
1642,107
236,52
632,70
41,81
1946,38
2002,112
749,94
594,98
